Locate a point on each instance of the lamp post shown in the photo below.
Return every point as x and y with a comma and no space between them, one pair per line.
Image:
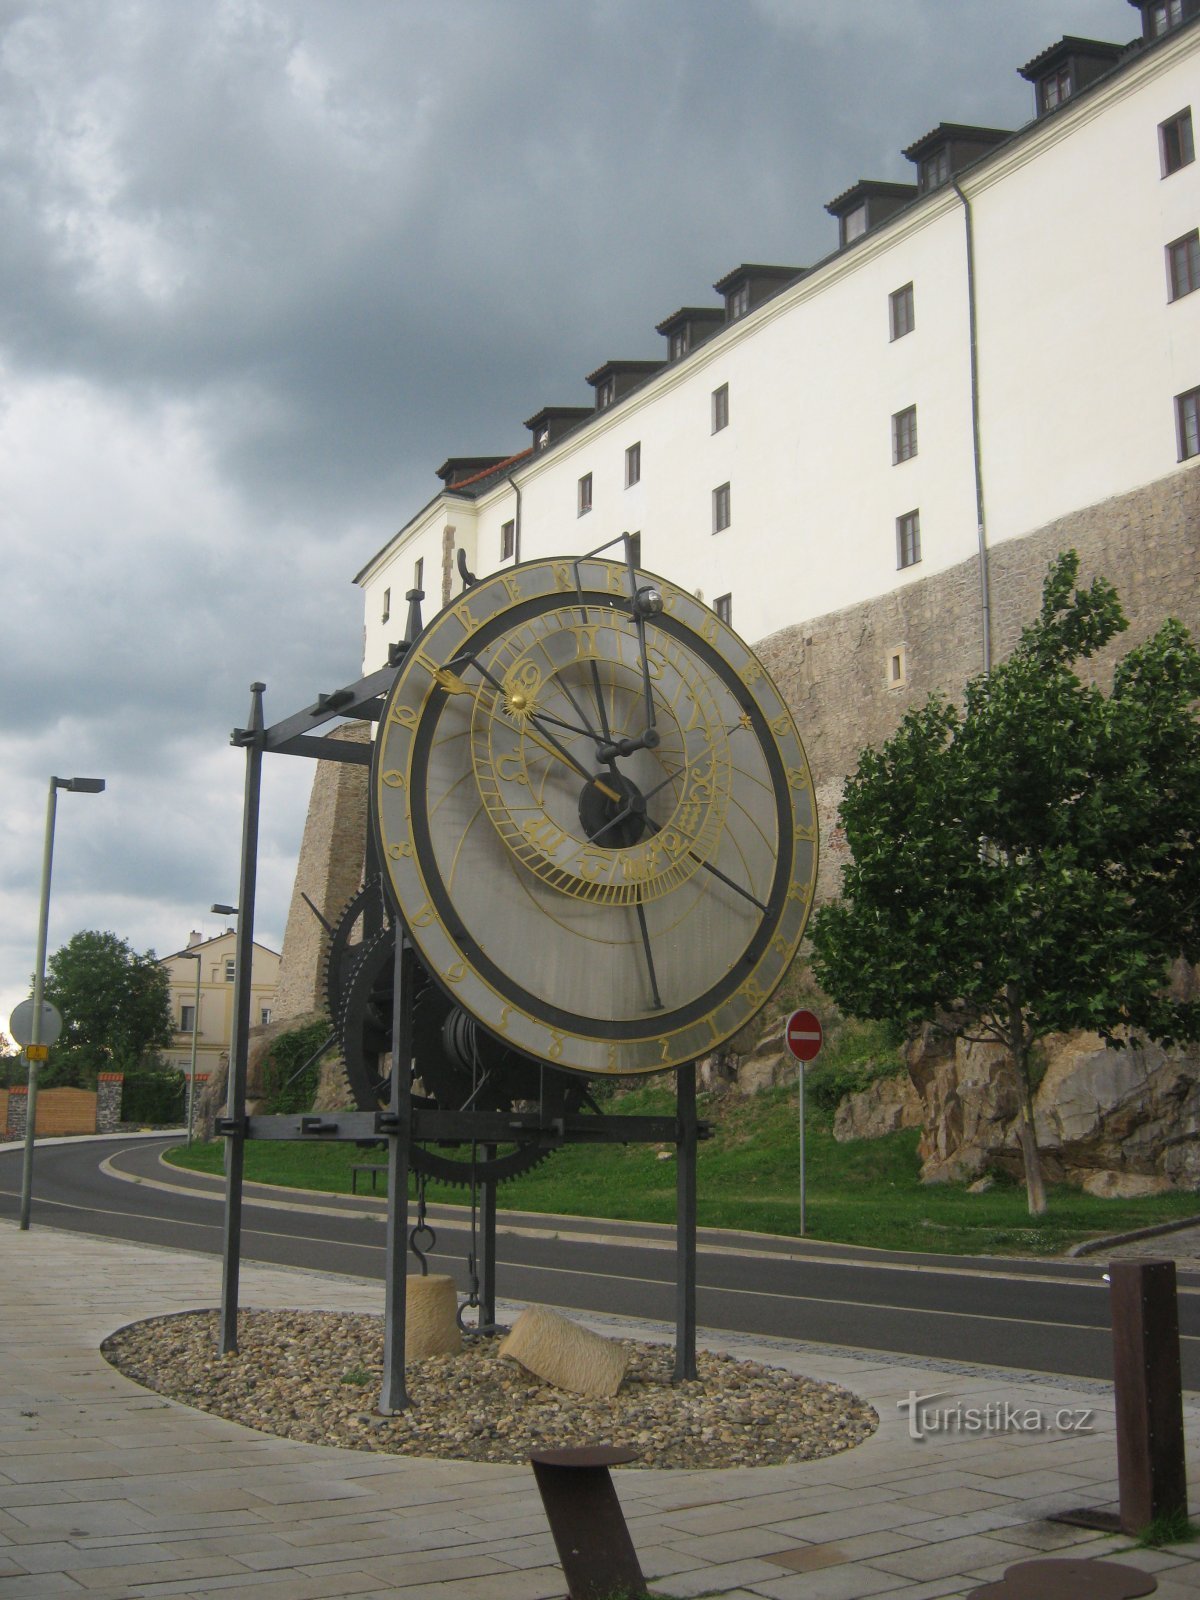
192,955
33,1052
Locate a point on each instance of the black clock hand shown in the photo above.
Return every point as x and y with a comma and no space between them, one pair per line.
641,916
548,741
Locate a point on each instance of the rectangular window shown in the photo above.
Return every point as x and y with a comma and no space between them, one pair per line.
230,969
1054,88
584,504
854,224
720,408
187,1019
935,170
723,606
1176,143
1183,265
904,435
508,540
900,311
633,465
1187,420
264,1015
1164,16
908,539
387,605
720,503
606,394
677,346
739,302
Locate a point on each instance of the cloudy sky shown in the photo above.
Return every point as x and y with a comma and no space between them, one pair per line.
264,264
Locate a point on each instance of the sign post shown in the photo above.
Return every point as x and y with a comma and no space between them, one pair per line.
804,1038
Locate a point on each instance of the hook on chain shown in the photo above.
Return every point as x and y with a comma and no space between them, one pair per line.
422,1228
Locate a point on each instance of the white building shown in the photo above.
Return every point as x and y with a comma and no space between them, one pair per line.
867,464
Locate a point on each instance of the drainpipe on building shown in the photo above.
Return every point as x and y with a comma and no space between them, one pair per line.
981,524
516,489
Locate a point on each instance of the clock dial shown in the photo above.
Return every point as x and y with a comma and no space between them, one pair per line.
598,822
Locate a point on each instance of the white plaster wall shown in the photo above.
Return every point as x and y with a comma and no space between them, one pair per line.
1080,358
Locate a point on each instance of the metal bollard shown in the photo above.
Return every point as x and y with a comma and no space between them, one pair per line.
1149,1393
585,1517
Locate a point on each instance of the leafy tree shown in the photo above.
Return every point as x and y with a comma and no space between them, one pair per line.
115,1003
1030,864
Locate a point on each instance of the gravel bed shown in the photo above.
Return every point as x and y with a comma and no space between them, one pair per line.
315,1375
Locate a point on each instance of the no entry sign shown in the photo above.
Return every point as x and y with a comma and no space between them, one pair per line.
803,1035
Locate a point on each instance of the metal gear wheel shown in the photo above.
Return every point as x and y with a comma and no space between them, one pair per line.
457,1063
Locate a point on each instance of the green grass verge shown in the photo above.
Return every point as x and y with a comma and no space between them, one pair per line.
864,1193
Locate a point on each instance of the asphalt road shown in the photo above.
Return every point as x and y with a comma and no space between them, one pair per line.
1039,1316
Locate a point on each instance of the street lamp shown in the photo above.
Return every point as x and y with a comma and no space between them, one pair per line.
192,955
225,911
33,1053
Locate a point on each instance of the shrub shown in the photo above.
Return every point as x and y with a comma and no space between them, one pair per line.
291,1068
157,1095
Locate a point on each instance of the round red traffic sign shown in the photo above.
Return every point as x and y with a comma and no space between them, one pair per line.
803,1034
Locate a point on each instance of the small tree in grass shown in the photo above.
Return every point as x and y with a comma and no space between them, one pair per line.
1030,864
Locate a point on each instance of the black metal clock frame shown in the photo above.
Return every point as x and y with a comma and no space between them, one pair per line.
402,1124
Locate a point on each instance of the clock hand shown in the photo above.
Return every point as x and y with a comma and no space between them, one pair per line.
548,742
641,916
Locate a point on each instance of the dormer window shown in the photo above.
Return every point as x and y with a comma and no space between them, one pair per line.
1054,89
935,170
1164,16
606,393
677,345
738,302
541,439
854,224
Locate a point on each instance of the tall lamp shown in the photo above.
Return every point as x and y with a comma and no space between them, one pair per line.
33,1053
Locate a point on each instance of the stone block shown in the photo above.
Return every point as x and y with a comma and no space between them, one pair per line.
562,1353
431,1317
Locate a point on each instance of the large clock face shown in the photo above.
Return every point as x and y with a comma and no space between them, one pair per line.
596,816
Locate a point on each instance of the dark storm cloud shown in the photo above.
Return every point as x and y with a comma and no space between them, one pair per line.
265,263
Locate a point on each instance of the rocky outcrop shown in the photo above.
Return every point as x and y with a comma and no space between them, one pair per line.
884,1107
210,1102
1132,1115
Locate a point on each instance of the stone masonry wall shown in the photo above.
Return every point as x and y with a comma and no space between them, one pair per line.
835,670
109,1086
329,872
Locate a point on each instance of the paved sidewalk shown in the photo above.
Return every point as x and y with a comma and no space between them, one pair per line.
112,1492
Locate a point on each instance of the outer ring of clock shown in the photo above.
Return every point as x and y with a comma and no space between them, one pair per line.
515,1013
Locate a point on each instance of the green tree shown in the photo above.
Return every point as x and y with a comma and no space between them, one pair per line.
115,1004
1030,864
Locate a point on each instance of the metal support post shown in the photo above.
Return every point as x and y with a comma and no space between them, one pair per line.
251,737
1149,1398
39,987
393,1395
487,1227
590,1532
685,1224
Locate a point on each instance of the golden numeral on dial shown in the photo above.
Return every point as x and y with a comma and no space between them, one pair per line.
585,639
564,578
708,629
511,587
612,1055
423,918
782,726
753,993
406,716
556,1045
751,672
463,612
395,779
398,851
796,778
665,1047
457,972
502,1020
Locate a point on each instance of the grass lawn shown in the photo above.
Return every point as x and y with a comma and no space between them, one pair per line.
864,1193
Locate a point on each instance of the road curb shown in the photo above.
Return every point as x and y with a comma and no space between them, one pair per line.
1091,1247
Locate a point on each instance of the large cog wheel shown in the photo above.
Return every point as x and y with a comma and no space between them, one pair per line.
360,978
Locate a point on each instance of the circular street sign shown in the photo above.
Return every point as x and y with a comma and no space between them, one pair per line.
803,1035
20,1024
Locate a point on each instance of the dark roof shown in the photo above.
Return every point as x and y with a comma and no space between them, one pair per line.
611,367
690,314
1069,45
945,132
559,413
469,466
864,189
755,269
497,469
